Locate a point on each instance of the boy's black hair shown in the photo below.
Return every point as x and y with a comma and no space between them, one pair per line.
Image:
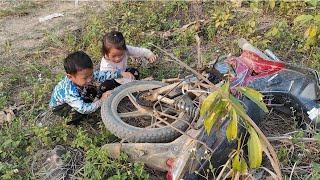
77,61
113,39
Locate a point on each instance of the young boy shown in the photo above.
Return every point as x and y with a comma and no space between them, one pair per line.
75,94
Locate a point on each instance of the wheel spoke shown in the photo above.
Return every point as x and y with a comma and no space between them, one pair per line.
168,116
133,100
159,125
170,110
156,122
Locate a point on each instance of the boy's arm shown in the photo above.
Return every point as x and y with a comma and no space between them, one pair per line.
79,105
139,52
101,76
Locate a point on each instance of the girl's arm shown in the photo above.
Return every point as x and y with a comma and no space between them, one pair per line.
139,52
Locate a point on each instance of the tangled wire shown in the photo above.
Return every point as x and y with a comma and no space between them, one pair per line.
58,163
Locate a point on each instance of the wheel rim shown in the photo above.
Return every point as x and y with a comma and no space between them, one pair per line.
128,110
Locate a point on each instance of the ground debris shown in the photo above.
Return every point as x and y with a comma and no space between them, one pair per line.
7,114
51,16
58,163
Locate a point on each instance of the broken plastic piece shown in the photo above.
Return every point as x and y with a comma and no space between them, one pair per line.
314,113
51,16
272,55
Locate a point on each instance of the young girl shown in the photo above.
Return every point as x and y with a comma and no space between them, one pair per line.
115,56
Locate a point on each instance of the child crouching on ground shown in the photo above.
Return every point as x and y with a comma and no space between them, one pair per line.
75,94
115,56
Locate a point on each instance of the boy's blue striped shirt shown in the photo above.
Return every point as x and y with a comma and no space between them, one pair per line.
68,92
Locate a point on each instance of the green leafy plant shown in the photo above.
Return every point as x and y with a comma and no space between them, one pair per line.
315,171
312,25
221,105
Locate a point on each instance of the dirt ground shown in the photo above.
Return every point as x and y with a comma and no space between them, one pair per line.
22,34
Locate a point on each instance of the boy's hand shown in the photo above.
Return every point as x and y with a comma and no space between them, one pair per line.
153,58
127,75
105,95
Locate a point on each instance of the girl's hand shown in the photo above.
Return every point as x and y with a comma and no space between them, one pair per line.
153,58
105,95
127,75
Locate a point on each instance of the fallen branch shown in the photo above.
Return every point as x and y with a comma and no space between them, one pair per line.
273,156
302,168
170,32
171,80
274,176
199,64
292,170
290,138
223,169
297,169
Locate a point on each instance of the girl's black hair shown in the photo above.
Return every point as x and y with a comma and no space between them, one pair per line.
113,39
77,61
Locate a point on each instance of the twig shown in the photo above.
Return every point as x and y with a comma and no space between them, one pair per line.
171,80
183,28
288,52
229,173
292,170
177,30
276,164
236,176
223,169
290,138
274,176
199,64
298,168
263,28
199,76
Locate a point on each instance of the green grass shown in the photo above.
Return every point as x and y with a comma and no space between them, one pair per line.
141,23
21,9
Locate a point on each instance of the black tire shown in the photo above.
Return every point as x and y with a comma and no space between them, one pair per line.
137,134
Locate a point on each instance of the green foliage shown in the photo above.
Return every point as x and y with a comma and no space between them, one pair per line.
239,164
254,149
3,99
254,96
221,105
14,140
317,136
315,171
313,2
232,128
211,99
82,140
99,166
282,154
221,18
311,34
216,112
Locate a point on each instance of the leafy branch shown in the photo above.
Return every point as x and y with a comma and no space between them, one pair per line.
221,104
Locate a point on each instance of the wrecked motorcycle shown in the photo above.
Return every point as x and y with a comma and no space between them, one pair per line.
159,122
